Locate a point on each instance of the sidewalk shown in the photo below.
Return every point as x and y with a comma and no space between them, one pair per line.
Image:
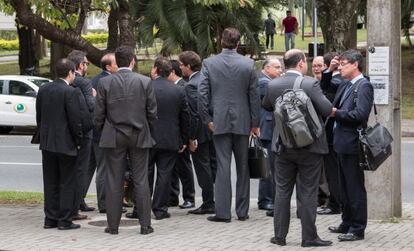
21,229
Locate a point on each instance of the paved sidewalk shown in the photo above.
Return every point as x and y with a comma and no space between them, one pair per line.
21,229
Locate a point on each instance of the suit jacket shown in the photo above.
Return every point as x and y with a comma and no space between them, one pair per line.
266,117
125,102
86,87
229,87
198,130
352,113
171,127
94,83
321,104
58,118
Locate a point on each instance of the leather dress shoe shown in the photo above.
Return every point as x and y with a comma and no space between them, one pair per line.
79,217
338,230
147,230
111,231
217,219
201,210
267,206
132,215
69,227
327,210
187,204
85,208
350,237
316,243
243,218
161,216
270,213
278,241
46,226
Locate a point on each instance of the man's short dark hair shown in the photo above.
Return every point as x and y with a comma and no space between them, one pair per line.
163,66
291,60
192,59
77,57
63,66
327,58
230,38
288,12
106,60
124,55
353,56
176,68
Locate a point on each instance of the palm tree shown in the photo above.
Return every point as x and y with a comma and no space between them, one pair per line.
407,6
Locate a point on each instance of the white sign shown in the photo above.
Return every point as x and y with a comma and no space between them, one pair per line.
379,61
380,84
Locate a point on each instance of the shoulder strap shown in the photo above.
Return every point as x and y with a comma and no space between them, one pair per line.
298,82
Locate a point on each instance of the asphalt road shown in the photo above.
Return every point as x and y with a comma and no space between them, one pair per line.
20,166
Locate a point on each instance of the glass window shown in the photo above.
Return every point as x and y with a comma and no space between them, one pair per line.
18,88
39,82
1,86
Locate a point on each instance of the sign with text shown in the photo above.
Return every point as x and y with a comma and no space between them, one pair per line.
380,84
379,60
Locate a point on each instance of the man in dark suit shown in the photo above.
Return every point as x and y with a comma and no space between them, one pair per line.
183,169
82,163
125,113
201,142
297,165
271,69
353,103
170,131
230,106
97,161
58,121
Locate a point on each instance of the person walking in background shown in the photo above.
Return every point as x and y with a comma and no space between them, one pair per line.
289,27
270,31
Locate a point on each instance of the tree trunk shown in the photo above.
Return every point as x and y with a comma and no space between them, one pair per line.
113,30
125,25
28,62
57,51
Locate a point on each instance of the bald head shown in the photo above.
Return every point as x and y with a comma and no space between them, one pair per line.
295,59
108,63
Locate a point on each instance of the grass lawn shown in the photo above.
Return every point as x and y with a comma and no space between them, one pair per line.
407,83
15,197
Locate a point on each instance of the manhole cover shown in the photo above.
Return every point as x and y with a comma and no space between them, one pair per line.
123,223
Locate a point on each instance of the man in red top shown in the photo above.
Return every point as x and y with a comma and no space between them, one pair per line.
290,26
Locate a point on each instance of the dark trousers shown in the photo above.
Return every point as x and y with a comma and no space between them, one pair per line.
115,177
353,194
183,171
304,169
267,186
82,166
226,144
97,161
332,175
59,186
165,161
204,162
269,38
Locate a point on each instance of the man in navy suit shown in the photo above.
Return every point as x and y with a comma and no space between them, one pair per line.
353,103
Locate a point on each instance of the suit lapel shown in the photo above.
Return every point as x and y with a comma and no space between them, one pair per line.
339,95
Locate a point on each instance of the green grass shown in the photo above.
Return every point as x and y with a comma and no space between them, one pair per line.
407,83
15,197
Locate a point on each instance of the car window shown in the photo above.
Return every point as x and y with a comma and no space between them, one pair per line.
1,86
39,82
18,88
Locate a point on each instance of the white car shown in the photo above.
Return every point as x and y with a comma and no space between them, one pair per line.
18,100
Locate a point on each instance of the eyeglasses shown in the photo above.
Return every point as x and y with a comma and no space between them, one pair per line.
342,64
276,67
317,66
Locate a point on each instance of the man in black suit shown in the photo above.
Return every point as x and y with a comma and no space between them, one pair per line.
97,160
201,141
170,131
297,165
82,163
353,103
125,113
58,121
183,169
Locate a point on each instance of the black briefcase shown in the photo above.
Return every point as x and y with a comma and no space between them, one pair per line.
375,146
258,160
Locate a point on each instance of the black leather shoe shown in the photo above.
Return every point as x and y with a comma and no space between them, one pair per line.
338,230
202,210
267,206
350,237
244,218
49,226
85,208
316,243
133,215
269,213
327,210
217,219
69,227
186,205
147,230
79,217
111,231
278,241
162,216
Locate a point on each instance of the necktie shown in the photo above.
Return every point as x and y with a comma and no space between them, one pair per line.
346,92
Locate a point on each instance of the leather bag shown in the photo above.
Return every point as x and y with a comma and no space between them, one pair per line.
258,160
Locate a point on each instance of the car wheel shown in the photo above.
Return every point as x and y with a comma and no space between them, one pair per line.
5,129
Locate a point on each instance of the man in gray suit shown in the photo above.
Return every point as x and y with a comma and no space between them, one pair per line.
230,106
125,112
297,165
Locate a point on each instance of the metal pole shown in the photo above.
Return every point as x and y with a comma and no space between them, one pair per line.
303,19
315,29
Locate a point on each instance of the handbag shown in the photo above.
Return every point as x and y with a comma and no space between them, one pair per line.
258,160
375,145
